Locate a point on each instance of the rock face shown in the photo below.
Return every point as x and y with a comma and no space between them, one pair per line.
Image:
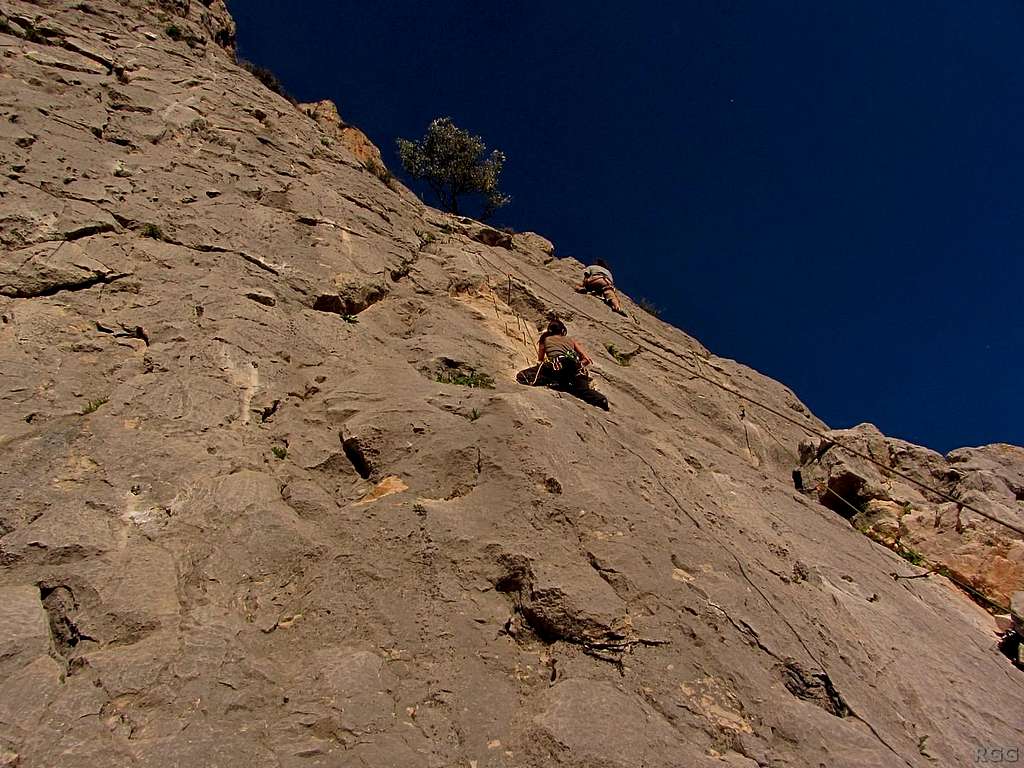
882,502
243,522
325,114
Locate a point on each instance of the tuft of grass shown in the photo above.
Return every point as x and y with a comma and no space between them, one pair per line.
174,32
474,415
402,270
350,319
912,556
620,357
33,35
649,307
474,379
922,746
93,405
279,451
380,171
153,231
325,141
267,77
25,30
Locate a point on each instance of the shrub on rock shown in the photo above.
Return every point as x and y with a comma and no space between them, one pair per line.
453,162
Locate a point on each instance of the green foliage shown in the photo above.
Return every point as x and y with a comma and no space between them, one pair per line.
474,379
622,358
402,270
922,747
174,32
153,231
23,28
912,556
381,172
454,163
93,405
649,307
265,76
350,319
279,451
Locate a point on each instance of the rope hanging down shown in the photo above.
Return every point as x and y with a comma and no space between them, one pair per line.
652,347
930,569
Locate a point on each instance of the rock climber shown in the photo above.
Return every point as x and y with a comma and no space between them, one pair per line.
562,365
597,279
556,346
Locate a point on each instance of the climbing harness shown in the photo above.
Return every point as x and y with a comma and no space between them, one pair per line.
556,363
601,286
556,360
652,347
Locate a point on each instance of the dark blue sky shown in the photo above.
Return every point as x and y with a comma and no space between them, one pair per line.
830,192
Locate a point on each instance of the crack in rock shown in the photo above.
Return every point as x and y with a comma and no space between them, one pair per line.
814,687
52,290
356,453
61,606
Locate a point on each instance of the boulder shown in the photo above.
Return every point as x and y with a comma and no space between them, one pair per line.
352,294
532,242
492,237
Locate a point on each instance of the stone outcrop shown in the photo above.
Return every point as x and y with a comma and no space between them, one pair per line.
325,114
882,500
237,530
203,19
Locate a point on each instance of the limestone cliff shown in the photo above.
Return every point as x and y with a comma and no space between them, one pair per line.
949,511
249,517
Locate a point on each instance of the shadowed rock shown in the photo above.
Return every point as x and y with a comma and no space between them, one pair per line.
882,499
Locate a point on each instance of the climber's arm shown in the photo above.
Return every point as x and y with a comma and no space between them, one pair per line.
584,357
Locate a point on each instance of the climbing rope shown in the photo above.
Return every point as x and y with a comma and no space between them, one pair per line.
521,322
932,568
652,347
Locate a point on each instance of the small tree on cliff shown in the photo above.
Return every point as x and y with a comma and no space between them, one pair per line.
454,163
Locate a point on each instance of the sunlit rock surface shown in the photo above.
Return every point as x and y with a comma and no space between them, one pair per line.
242,522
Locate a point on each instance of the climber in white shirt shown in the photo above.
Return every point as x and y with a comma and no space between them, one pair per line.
597,279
